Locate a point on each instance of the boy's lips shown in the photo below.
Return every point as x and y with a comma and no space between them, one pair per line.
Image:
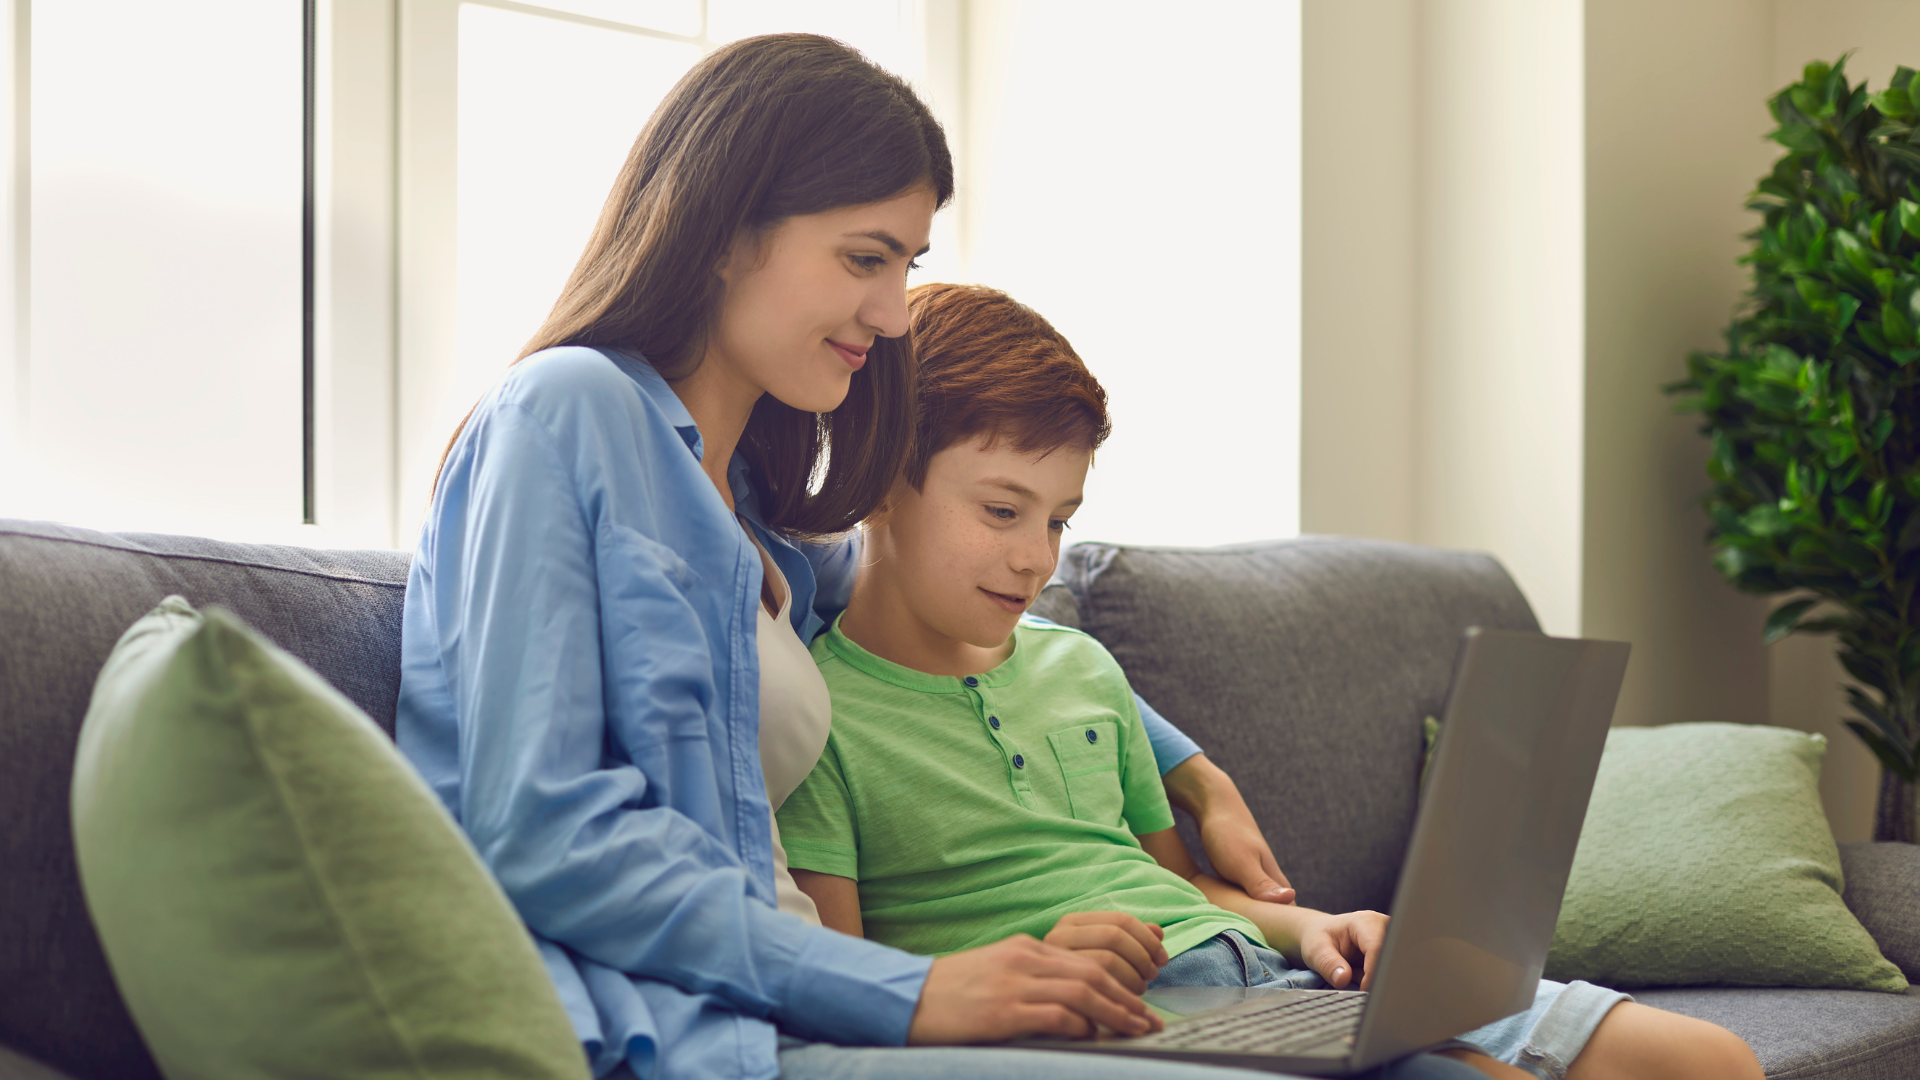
1014,604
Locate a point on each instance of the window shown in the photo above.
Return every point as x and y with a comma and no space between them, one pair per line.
1135,180
155,367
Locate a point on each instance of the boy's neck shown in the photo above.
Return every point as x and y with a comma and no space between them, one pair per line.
879,620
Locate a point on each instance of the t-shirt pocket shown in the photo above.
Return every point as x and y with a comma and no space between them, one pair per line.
1089,757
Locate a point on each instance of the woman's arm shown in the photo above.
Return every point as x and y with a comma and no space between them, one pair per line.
1233,839
549,656
1332,945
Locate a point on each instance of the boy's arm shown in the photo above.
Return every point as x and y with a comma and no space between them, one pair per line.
837,898
1330,944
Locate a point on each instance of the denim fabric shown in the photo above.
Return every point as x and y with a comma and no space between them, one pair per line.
1544,1040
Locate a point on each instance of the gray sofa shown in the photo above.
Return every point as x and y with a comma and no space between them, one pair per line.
1303,667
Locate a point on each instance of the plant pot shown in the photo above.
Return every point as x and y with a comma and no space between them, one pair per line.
1894,818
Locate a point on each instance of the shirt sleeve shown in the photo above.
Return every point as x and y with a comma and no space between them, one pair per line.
1146,808
543,680
1170,745
836,562
816,822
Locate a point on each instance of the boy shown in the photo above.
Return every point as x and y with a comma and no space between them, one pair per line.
988,774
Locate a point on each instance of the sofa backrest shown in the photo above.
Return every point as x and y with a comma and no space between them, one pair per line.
1303,668
66,596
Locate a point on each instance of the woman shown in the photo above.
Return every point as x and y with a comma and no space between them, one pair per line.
593,665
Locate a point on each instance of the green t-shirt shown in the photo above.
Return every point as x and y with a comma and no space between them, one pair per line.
971,809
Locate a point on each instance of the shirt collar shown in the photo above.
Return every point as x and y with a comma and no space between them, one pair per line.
861,660
653,387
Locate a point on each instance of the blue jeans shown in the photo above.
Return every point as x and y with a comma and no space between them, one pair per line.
1544,1040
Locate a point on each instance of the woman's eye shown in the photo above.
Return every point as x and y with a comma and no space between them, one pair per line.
869,262
1002,513
912,265
1059,524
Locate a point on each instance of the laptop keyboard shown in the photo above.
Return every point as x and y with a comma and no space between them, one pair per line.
1287,1024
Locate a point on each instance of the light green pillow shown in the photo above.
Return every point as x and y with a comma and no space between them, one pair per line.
1706,858
278,894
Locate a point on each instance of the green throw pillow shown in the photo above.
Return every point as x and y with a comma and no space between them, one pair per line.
278,894
1706,858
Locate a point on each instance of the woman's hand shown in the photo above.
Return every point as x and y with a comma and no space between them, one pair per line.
1020,987
1234,843
1129,949
1337,945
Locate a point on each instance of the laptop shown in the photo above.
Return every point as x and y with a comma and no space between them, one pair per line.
1479,892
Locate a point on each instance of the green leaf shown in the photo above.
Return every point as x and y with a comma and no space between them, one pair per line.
1849,247
1844,310
1890,758
1893,102
1765,520
1897,327
1909,535
1784,619
1909,218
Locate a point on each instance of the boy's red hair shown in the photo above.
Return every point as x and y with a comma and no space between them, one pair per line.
990,365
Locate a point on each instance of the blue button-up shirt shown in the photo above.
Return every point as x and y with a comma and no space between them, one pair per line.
580,686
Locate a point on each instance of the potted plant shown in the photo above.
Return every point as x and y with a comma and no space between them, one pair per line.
1813,411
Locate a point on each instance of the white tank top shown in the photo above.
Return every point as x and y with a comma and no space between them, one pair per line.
795,713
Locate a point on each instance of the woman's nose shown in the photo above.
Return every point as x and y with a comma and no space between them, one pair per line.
886,309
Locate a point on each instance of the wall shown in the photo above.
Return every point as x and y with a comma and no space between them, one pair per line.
1453,393
1359,160
1664,216
1497,450
1441,252
1156,223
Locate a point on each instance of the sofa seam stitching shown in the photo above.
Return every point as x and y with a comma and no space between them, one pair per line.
322,574
1822,1067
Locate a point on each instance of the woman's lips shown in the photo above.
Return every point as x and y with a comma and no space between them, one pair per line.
855,358
1013,604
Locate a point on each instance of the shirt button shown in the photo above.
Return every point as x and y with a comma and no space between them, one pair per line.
994,721
1019,762
1092,735
971,681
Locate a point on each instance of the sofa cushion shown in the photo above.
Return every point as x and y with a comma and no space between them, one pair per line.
1808,1034
1302,667
278,892
1883,891
66,595
1706,858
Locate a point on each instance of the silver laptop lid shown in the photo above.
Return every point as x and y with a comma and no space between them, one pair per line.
1500,815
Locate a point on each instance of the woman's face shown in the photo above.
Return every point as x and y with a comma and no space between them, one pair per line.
805,300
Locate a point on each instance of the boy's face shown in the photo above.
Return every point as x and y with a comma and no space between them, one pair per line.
971,550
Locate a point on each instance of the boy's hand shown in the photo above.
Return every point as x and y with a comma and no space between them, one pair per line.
1129,949
1337,945
1020,987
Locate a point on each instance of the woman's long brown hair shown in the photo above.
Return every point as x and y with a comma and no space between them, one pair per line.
759,131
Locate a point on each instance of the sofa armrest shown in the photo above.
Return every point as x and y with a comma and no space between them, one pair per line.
16,1067
1883,881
